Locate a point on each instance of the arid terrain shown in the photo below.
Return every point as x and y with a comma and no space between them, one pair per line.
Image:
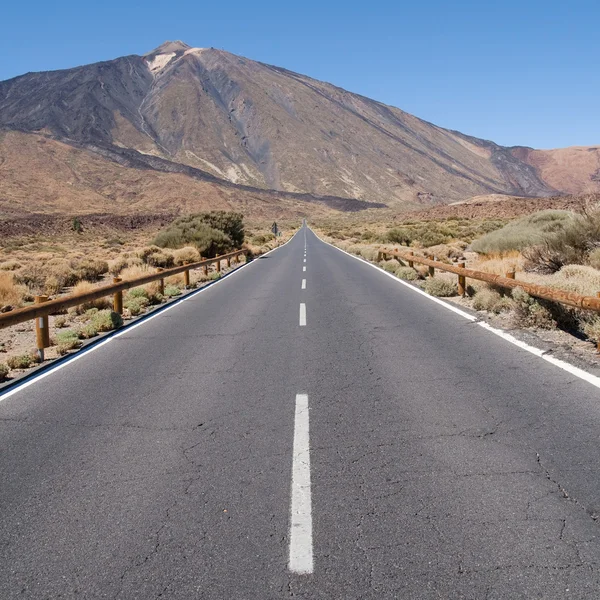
182,129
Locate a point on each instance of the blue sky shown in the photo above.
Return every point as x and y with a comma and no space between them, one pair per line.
517,72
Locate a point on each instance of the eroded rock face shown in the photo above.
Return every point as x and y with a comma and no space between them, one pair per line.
256,125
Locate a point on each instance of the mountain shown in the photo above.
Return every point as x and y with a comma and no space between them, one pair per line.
229,121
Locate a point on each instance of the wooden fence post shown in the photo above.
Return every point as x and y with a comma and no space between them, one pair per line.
410,262
462,282
511,275
161,283
228,261
118,298
218,263
186,278
42,331
431,269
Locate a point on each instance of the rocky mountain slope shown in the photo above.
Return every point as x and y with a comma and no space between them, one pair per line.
226,120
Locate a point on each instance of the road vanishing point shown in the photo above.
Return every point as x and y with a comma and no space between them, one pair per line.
308,428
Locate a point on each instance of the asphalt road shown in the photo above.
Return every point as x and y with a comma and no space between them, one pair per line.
180,460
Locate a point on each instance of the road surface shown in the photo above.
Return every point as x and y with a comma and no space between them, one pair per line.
305,428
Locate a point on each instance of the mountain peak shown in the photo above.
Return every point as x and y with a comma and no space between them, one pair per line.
169,47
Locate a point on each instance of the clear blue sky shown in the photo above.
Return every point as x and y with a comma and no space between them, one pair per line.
520,72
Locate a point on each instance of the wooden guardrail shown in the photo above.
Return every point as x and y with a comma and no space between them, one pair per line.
45,307
508,282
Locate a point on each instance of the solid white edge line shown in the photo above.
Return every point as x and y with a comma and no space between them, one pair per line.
561,364
303,284
302,314
301,539
127,329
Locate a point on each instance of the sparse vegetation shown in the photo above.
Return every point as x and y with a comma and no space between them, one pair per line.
211,233
11,294
4,370
106,320
524,232
406,273
436,286
21,361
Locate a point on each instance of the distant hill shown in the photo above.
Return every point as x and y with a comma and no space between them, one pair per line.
209,119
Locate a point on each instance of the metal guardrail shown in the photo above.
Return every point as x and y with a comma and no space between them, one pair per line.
508,282
45,307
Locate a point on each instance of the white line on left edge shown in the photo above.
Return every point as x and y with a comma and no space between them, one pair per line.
301,539
302,314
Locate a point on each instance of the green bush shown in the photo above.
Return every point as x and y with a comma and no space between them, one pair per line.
440,287
400,235
572,244
106,320
389,265
3,371
135,307
212,233
406,273
22,361
88,331
171,291
523,233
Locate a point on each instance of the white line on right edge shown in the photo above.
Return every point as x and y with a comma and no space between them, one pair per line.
557,362
301,542
304,284
302,314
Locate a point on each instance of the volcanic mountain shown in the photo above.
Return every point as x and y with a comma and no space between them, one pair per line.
244,126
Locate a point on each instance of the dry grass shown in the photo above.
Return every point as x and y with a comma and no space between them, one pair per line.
82,288
11,294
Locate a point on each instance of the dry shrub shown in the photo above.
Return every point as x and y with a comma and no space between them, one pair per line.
499,264
572,244
491,300
525,232
448,252
10,265
135,272
117,265
406,273
529,312
33,275
106,320
22,361
89,269
11,294
591,327
437,286
186,255
156,257
82,288
389,265
3,371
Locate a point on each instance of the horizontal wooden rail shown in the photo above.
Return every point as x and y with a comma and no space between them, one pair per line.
21,315
538,291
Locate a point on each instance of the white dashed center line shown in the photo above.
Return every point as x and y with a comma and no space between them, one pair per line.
301,542
304,268
302,314
304,284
